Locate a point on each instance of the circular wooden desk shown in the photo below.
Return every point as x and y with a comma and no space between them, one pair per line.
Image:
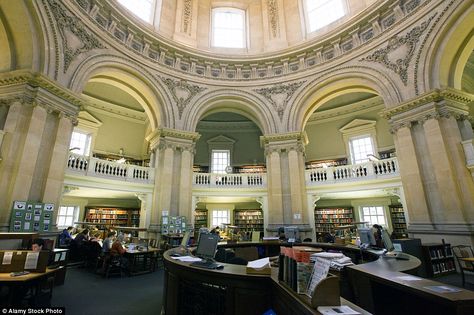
192,290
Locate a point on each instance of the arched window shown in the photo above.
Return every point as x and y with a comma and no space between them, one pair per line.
228,28
320,13
144,9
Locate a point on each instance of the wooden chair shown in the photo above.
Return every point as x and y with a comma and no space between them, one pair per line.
113,265
465,258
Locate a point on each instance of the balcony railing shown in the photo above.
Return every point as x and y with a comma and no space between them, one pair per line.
246,180
90,166
358,172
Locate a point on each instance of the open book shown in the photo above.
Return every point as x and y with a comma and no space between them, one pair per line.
259,266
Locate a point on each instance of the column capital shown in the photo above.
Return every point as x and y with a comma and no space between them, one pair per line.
173,138
436,104
285,142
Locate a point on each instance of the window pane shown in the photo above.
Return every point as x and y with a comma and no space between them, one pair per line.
220,160
141,8
228,28
80,142
323,12
360,149
62,211
70,211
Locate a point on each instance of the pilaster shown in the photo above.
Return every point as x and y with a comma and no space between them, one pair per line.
438,186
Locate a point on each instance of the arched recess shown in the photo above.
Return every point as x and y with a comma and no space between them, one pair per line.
20,37
328,87
237,102
448,50
135,81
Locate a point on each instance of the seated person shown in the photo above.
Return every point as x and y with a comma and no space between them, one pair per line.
281,233
37,245
82,237
117,248
66,236
377,230
328,237
109,240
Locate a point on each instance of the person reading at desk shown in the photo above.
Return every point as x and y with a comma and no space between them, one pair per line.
37,245
109,240
118,250
66,236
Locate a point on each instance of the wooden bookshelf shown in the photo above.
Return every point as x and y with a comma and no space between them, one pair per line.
439,259
327,219
399,223
105,217
249,220
200,218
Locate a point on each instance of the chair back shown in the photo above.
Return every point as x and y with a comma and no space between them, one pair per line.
463,251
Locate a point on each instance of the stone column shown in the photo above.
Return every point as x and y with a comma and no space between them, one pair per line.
145,212
287,201
312,200
263,201
439,189
173,174
37,127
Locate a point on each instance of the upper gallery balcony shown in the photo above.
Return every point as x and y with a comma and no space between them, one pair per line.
369,171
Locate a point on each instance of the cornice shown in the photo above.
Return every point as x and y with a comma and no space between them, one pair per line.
299,136
138,38
179,134
114,110
34,86
449,94
231,126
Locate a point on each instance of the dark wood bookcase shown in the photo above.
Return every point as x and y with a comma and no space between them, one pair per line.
106,217
249,220
399,223
200,218
326,219
439,259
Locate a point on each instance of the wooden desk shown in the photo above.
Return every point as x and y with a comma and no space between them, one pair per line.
376,284
141,262
21,284
467,259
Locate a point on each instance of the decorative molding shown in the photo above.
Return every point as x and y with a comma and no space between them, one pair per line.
233,126
187,15
279,95
183,60
437,104
182,92
179,134
273,17
401,49
72,24
111,109
284,142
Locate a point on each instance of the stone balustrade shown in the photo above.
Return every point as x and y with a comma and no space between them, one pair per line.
245,180
349,173
90,166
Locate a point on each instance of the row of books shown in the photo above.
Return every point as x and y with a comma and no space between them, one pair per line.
333,211
294,268
440,253
334,216
443,266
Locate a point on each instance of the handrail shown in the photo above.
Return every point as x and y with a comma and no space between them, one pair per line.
244,180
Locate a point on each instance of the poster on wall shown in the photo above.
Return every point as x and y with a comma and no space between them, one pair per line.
29,216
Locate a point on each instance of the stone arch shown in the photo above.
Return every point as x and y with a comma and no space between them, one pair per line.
238,102
136,81
332,85
21,43
448,47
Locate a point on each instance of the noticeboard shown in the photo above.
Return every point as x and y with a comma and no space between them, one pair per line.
31,216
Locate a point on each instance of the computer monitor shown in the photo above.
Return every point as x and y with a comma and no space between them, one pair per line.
366,236
207,246
185,240
387,242
292,233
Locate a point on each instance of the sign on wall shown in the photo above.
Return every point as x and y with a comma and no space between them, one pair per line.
31,217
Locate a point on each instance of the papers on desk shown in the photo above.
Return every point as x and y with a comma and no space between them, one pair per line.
409,278
320,271
31,261
187,258
259,266
442,289
332,310
7,258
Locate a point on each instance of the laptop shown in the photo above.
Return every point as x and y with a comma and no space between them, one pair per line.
206,250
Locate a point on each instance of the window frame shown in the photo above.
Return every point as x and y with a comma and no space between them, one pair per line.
88,143
227,217
153,16
242,12
307,19
384,215
74,216
352,151
212,160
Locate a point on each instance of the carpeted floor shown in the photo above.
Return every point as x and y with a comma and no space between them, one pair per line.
87,293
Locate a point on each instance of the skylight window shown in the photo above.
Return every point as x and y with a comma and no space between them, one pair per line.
320,13
228,28
141,8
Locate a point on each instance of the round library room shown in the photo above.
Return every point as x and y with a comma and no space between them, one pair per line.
264,157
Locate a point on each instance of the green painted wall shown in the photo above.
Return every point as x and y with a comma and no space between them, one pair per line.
247,150
325,139
117,133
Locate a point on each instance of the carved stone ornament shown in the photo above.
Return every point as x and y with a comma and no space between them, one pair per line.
399,51
279,95
76,39
273,16
187,15
182,92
